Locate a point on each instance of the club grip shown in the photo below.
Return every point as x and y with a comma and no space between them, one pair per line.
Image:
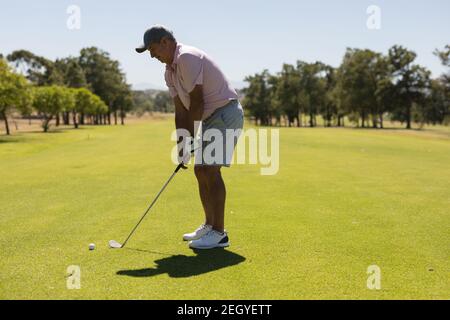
180,166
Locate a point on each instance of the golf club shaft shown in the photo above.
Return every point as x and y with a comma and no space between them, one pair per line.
181,165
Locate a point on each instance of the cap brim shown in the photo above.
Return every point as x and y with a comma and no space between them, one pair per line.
141,49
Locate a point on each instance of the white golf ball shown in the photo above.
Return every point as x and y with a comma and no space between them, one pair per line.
91,246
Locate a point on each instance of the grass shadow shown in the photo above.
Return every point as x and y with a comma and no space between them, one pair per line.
146,251
387,129
420,132
4,139
54,130
48,132
181,266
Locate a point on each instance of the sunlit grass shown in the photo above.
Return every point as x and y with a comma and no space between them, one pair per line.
343,199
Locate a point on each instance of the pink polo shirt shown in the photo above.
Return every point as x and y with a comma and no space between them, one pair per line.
192,67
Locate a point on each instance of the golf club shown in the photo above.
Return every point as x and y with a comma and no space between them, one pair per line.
116,245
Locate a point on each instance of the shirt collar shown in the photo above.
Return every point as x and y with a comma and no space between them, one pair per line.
173,66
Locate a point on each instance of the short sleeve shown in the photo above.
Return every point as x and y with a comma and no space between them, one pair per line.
170,85
191,69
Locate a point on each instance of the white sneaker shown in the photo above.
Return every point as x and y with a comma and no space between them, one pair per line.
197,234
213,239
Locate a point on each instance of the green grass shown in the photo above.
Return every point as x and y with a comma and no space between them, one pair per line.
344,199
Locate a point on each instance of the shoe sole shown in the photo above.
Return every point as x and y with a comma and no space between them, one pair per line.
219,245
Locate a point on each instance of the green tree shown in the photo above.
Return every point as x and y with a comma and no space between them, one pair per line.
258,97
72,72
285,95
143,101
441,89
410,83
14,93
312,88
98,110
38,70
86,103
329,109
124,103
444,55
437,108
72,77
83,101
273,105
385,90
48,101
358,84
103,76
163,102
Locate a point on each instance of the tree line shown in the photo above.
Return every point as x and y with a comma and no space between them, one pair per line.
365,88
88,89
152,101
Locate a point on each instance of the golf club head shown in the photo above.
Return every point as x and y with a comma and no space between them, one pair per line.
114,244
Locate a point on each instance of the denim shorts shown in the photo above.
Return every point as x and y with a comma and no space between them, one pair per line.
220,133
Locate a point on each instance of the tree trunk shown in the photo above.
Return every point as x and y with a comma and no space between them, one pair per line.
75,123
408,116
46,123
381,120
311,123
109,118
6,123
66,116
122,117
57,120
115,118
82,118
374,122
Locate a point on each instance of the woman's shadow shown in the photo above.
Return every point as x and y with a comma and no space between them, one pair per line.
181,266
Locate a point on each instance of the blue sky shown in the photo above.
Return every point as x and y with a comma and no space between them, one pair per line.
244,37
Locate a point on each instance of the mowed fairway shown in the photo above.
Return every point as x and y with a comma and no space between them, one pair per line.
343,200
